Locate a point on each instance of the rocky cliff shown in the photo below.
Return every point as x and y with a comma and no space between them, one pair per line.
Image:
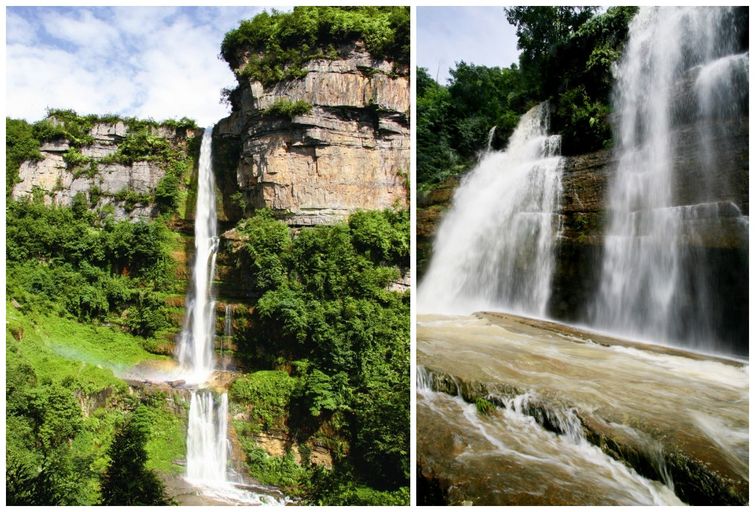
100,171
345,147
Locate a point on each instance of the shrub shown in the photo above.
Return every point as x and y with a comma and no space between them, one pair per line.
268,393
287,108
278,44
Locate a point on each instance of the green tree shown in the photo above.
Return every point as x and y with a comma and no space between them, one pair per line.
127,481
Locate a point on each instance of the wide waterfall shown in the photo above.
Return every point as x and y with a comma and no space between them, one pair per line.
680,85
494,248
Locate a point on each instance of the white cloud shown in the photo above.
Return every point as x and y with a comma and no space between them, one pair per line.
82,29
147,62
18,30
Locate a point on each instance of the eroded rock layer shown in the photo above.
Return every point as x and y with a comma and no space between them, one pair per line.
349,151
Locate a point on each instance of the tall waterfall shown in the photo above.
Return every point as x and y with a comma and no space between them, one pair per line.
207,445
680,85
196,341
494,248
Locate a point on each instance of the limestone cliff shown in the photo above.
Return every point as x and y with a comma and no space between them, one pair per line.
97,170
348,151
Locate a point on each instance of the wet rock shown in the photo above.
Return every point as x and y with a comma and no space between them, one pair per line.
651,408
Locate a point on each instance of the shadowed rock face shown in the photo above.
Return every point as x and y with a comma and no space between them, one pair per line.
349,152
568,398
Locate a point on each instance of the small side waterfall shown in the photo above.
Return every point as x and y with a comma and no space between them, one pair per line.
494,248
681,91
228,327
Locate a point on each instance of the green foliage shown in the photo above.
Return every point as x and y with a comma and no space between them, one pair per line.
21,145
56,370
66,124
166,194
70,261
127,481
282,472
142,144
329,311
567,55
287,108
269,393
454,121
73,158
382,235
337,488
484,406
277,45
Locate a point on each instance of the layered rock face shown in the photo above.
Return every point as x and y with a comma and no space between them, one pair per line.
125,186
349,152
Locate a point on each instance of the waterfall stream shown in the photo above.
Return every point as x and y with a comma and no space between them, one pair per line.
195,345
207,437
494,248
207,444
679,70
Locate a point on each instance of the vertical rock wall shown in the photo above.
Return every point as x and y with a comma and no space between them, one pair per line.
349,152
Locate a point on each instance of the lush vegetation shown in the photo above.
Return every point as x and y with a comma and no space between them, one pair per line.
275,46
331,345
64,405
567,54
127,480
86,265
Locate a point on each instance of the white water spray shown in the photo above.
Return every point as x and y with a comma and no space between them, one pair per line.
195,346
654,284
494,248
206,443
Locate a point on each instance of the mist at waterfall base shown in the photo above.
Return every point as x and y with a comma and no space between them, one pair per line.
680,81
207,444
494,248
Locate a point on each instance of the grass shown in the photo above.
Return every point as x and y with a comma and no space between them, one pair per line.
167,434
89,359
59,347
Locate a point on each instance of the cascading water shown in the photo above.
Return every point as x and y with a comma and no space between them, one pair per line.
228,328
494,249
207,445
195,343
681,90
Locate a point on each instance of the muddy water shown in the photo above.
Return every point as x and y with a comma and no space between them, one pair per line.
663,403
507,458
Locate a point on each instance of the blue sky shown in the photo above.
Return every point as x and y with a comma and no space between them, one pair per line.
158,62
476,35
